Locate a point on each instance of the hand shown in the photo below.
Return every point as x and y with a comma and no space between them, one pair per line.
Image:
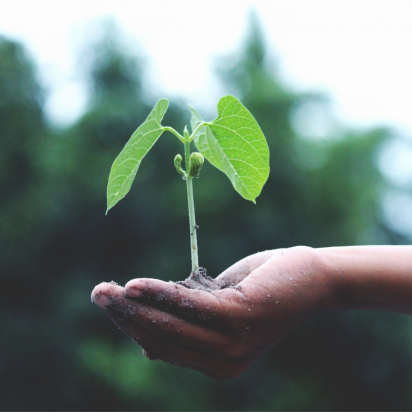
221,333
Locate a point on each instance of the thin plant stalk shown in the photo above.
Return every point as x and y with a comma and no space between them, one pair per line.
248,170
191,203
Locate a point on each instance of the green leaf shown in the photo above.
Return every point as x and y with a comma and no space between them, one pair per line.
195,120
125,166
235,144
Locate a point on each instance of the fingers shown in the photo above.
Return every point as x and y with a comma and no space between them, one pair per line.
103,292
167,325
122,311
206,307
213,365
240,270
168,337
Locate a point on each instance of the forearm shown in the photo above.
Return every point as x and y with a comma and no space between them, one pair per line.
370,277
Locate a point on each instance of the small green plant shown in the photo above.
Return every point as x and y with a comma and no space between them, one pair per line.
233,142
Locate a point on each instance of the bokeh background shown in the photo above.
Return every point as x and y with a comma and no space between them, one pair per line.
333,182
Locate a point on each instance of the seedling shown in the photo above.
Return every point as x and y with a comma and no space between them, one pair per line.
233,143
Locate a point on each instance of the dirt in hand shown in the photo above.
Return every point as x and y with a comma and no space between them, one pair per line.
201,281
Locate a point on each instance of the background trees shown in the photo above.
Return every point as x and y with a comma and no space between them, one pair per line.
60,352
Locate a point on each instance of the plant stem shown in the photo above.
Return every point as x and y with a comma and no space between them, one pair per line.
197,128
192,221
177,134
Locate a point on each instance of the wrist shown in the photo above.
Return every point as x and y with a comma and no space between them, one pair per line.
332,270
369,277
320,285
328,282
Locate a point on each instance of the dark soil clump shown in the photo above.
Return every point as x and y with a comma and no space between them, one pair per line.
202,281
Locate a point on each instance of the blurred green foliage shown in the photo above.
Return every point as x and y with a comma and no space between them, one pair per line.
60,352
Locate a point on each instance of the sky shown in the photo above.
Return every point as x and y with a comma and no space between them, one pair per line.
358,52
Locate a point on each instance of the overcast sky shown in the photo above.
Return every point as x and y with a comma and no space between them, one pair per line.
359,52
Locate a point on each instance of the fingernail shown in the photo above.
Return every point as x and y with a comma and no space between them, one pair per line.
102,300
133,292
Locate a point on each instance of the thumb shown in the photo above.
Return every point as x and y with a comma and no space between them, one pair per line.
240,270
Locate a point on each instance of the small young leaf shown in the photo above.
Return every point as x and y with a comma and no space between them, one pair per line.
125,166
196,119
178,165
235,144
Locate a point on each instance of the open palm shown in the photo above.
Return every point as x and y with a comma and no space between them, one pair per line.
223,332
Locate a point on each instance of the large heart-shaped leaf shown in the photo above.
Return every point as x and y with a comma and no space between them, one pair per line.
125,166
235,144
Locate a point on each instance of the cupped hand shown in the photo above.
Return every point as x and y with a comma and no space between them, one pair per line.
221,333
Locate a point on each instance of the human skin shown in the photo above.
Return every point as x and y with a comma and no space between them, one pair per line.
223,332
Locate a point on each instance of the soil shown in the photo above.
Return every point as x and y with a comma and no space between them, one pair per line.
202,281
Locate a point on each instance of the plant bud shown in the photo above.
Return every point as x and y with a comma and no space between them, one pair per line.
195,164
178,162
186,133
